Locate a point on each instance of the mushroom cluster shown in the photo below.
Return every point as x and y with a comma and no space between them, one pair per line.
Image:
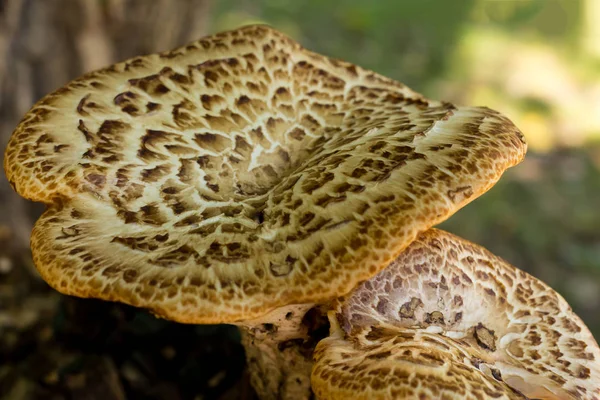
449,320
243,179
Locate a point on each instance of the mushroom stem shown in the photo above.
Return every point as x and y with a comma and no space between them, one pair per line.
278,370
279,351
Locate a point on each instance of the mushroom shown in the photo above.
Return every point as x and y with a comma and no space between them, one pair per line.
242,179
448,319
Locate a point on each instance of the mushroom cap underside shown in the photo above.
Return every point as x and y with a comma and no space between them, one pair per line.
218,181
448,319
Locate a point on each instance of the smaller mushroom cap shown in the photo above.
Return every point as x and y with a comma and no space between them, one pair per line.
448,319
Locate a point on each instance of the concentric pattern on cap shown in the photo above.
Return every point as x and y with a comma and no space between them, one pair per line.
448,319
218,181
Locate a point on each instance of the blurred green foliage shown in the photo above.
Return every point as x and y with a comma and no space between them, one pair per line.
401,39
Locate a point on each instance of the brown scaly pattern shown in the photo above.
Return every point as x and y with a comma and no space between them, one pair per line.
449,320
218,181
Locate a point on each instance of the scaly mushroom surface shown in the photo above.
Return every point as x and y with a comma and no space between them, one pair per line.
243,179
448,319
241,173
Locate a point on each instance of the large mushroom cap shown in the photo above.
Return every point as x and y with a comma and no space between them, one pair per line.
449,320
218,181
